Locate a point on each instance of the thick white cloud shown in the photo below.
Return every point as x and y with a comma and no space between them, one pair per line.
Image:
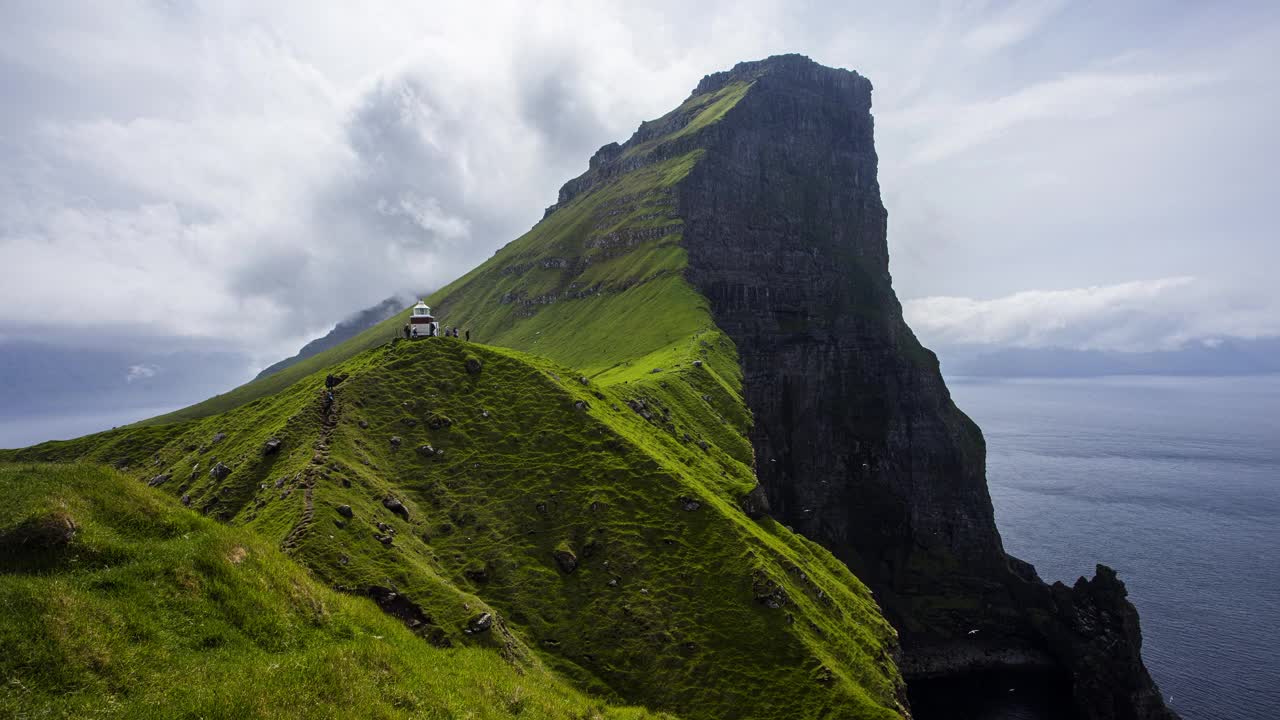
1163,314
244,174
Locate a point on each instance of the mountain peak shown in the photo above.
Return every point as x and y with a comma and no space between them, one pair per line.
693,124
791,67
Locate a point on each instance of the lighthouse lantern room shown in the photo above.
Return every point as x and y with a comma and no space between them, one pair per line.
421,322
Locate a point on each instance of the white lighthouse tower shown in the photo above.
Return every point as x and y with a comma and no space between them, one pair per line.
422,323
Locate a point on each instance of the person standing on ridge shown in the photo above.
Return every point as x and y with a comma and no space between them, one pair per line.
468,334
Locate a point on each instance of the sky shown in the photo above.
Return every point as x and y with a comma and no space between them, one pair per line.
231,178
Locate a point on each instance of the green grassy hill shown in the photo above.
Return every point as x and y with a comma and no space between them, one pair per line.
604,544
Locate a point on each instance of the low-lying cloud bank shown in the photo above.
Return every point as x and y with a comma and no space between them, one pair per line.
1142,316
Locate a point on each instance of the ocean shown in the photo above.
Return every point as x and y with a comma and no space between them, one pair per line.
1174,482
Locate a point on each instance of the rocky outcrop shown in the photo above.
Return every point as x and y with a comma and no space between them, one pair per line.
858,444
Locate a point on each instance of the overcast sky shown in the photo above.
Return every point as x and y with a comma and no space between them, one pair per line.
1092,174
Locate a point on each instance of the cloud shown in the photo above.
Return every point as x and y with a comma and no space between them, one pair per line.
273,196
1162,314
141,372
239,175
1010,26
952,128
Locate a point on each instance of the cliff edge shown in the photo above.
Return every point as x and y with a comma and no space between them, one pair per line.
857,442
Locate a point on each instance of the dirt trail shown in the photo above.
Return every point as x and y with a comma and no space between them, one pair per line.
329,409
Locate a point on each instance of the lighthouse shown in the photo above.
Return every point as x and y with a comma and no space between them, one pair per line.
421,322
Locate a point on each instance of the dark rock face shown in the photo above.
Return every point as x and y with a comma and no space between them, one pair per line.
566,559
858,444
409,612
755,503
393,504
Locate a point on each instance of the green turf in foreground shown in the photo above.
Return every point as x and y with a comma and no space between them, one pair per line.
152,611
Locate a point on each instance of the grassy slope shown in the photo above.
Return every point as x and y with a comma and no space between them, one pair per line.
155,611
681,629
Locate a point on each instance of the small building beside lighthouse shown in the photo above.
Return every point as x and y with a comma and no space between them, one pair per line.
421,322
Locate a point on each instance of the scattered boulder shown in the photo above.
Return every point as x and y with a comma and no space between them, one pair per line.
581,405
408,612
393,504
217,438
280,482
186,501
478,624
410,422
271,446
364,424
426,450
565,558
697,363
689,504
584,381
345,511
755,503
639,407
159,480
473,366
219,471
767,592
384,539
395,442
478,574
436,422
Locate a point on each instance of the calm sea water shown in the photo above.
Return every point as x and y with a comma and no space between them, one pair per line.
1175,482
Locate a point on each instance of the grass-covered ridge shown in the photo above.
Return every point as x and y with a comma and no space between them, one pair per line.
677,600
117,602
